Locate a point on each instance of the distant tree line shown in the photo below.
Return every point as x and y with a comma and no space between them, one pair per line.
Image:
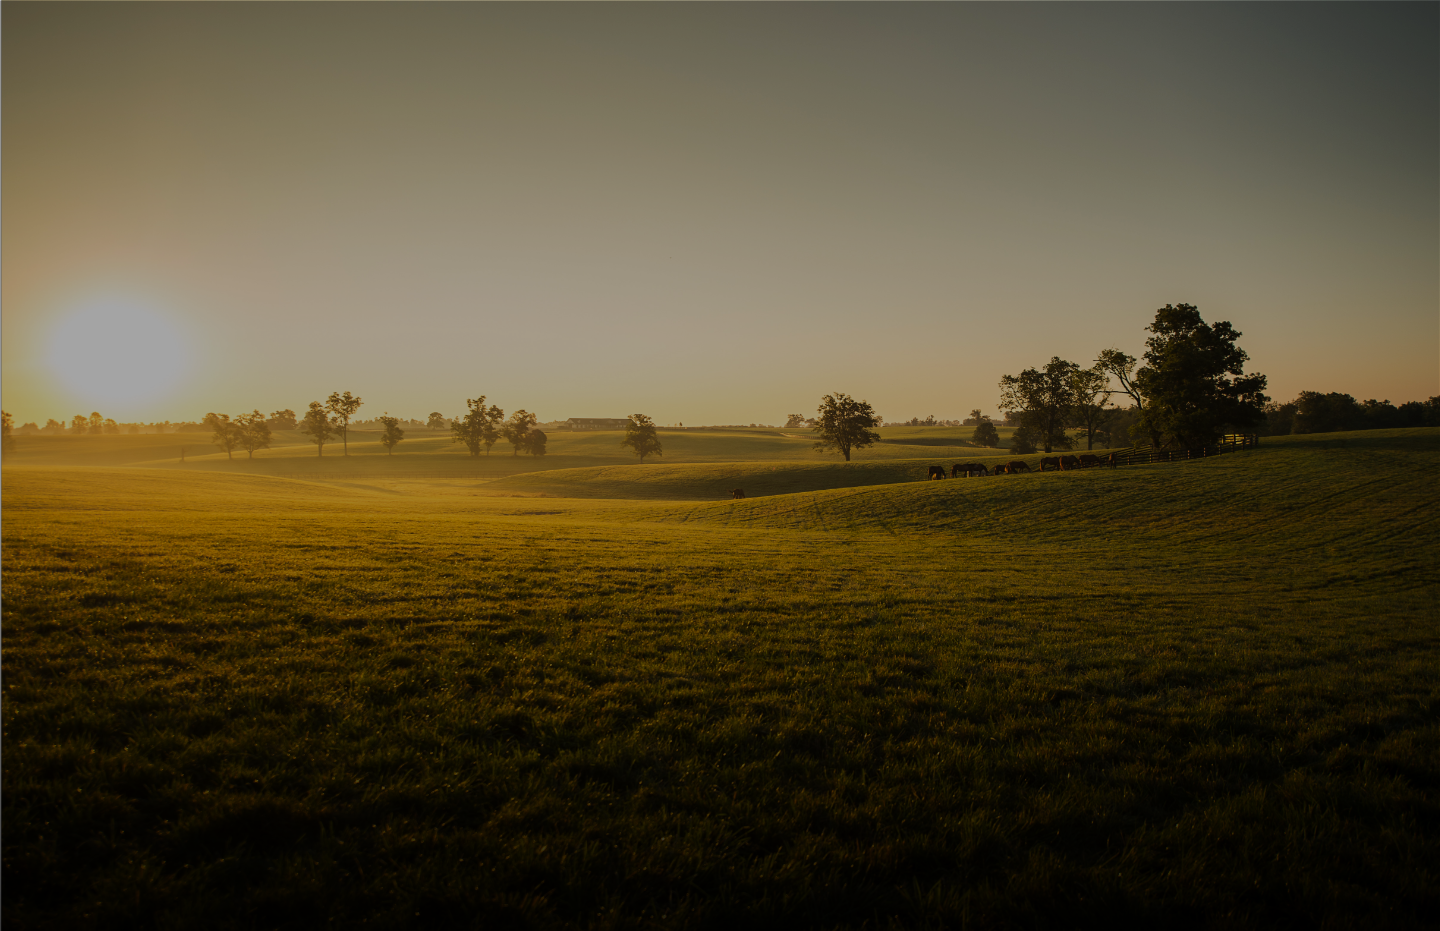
1314,412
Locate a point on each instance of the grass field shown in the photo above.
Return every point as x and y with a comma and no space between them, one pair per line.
1199,694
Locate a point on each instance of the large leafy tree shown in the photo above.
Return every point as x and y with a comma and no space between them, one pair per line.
1090,402
640,436
1121,367
392,434
436,422
1194,380
517,430
342,407
318,425
225,433
477,428
282,420
1045,400
254,432
844,424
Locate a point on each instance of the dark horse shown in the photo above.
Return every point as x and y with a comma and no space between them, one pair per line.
936,472
968,469
1015,467
1069,462
1053,462
1087,460
738,493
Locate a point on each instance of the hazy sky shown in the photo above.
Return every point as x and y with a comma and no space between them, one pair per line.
707,213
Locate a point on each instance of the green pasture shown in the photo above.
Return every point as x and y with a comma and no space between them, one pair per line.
1197,694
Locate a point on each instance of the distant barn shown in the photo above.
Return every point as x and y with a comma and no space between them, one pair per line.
597,423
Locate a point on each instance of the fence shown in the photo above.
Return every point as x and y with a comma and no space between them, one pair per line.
1229,443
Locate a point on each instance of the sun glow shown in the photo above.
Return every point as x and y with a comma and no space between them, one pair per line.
118,352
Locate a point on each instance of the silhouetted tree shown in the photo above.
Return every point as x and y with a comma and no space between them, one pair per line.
475,428
343,407
1121,367
844,424
79,425
1045,399
318,425
282,420
1022,441
985,434
1090,390
640,436
535,442
517,427
392,434
437,421
1194,380
97,423
224,433
795,420
254,432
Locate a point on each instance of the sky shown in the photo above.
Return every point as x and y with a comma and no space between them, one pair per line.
708,213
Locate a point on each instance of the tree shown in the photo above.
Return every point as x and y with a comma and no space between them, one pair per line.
475,428
794,420
844,424
7,424
1022,441
1194,380
343,407
437,421
225,433
79,424
535,442
254,432
1121,367
282,420
97,422
1091,393
392,435
985,434
640,436
516,429
318,425
1045,399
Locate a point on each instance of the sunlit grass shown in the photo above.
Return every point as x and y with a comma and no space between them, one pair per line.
1199,694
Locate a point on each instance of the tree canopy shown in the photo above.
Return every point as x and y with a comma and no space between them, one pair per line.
343,407
1194,380
392,434
640,436
844,424
224,432
479,427
517,430
1045,399
318,425
253,432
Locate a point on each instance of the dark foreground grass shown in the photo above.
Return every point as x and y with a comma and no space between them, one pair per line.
244,702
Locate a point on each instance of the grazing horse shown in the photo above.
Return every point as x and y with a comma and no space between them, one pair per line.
968,469
1069,462
1052,461
1015,467
1087,460
737,493
936,472
1113,459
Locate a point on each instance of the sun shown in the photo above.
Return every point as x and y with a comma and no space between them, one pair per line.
117,351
